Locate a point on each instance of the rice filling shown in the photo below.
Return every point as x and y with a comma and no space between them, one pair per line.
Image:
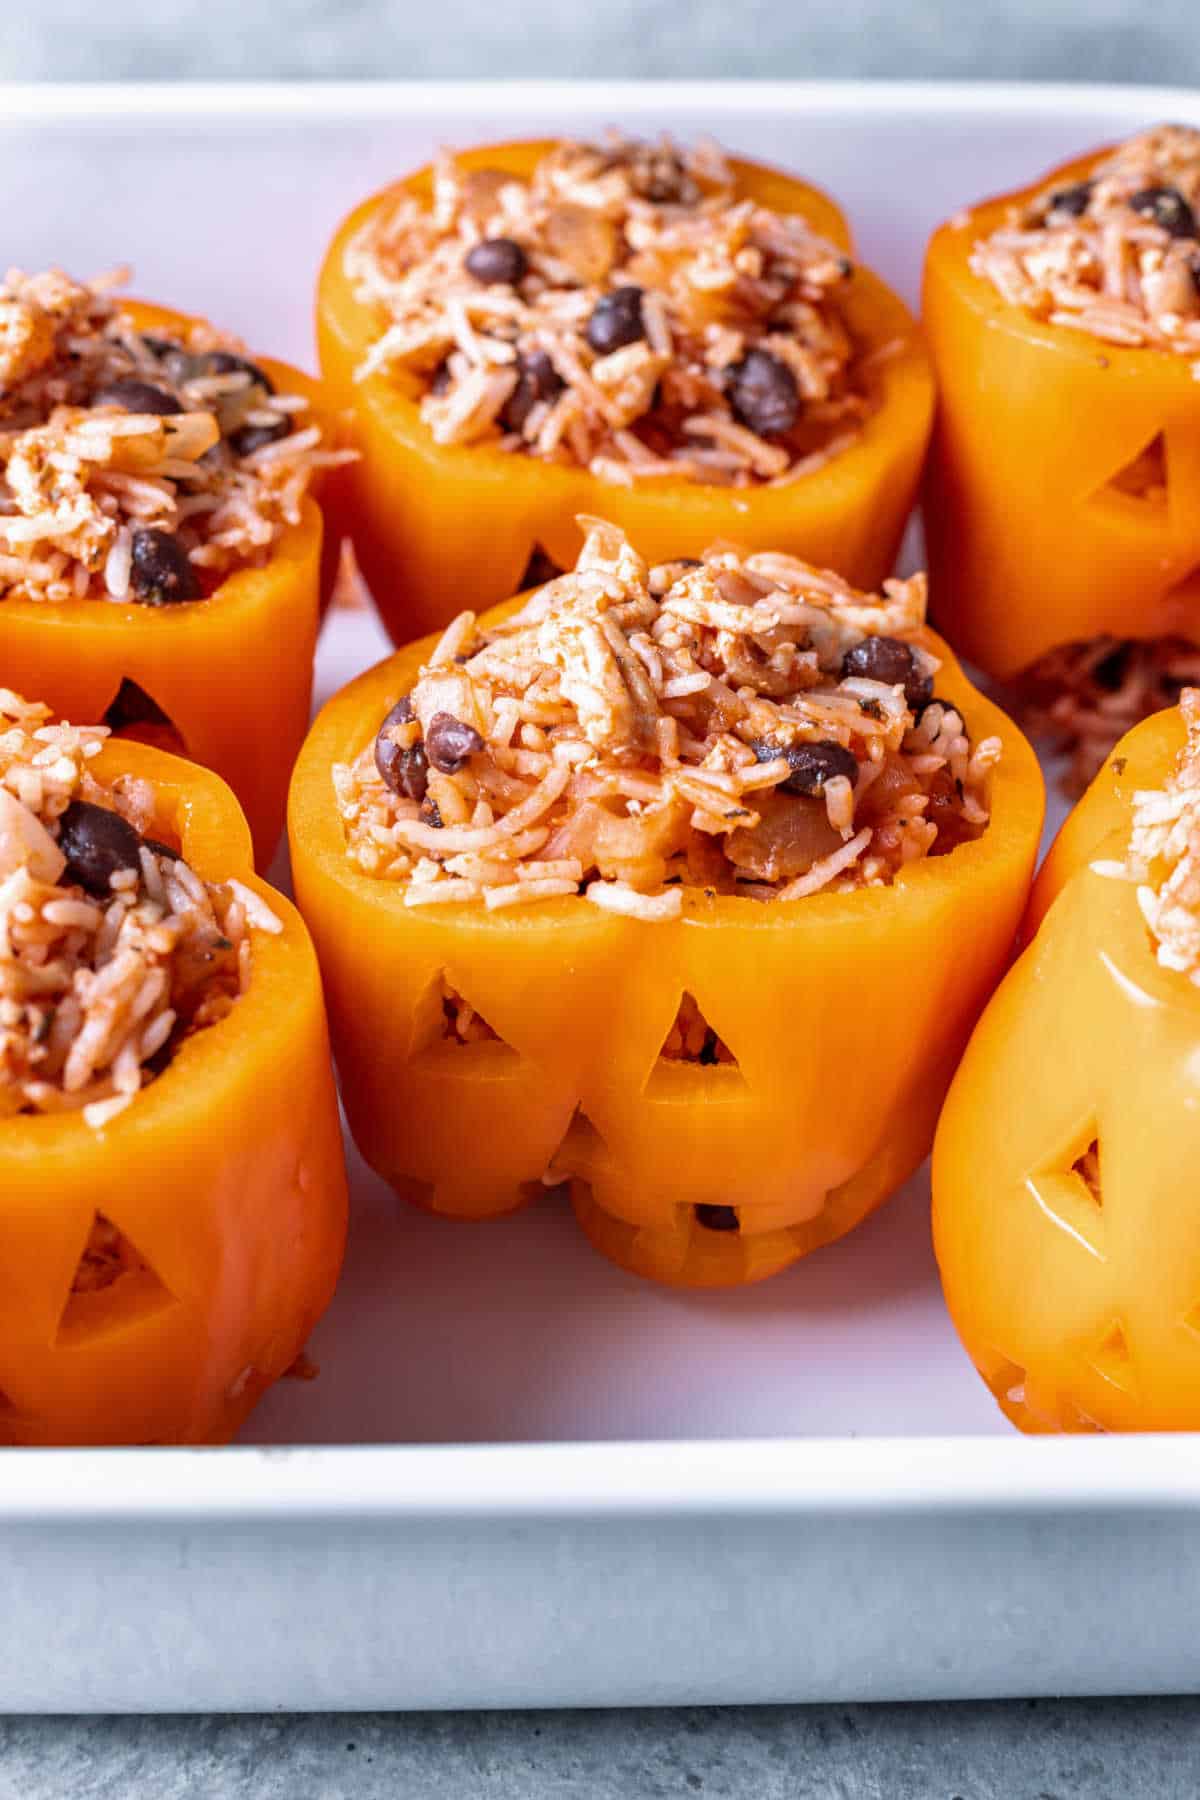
743,724
1116,255
621,309
135,465
1164,854
113,951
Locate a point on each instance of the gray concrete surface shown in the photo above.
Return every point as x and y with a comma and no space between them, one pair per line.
1034,1750
1102,40
1120,1750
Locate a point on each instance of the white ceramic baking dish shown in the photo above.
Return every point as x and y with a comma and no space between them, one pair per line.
524,1478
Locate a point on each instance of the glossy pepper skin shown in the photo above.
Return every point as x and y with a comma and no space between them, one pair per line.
226,1174
432,522
1029,545
844,1012
1081,1313
233,673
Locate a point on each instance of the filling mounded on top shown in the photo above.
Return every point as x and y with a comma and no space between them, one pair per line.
112,950
1118,254
1164,853
621,309
745,725
136,465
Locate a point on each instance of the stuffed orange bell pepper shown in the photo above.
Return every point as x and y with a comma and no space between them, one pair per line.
673,341
1063,506
1066,1215
648,887
160,551
172,1181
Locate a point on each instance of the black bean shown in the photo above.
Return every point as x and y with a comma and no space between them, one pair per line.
248,438
1167,207
439,381
1070,202
449,742
431,814
497,262
158,346
538,570
891,661
97,843
665,180
811,765
717,1218
160,573
537,379
405,772
763,394
616,320
137,397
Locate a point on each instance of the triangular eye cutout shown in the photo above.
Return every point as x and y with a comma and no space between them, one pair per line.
692,1039
133,713
114,1288
1111,1358
445,1016
540,569
1087,1167
1143,479
1069,1190
462,1023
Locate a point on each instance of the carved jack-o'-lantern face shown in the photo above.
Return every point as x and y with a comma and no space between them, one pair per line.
1066,1210
158,1273
482,1051
1064,486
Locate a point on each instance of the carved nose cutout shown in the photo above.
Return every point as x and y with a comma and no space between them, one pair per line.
1111,1358
694,1043
114,1287
692,1039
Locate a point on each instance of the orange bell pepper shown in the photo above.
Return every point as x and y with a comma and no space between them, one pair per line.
432,522
226,1176
232,673
843,1011
1076,1297
1032,542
